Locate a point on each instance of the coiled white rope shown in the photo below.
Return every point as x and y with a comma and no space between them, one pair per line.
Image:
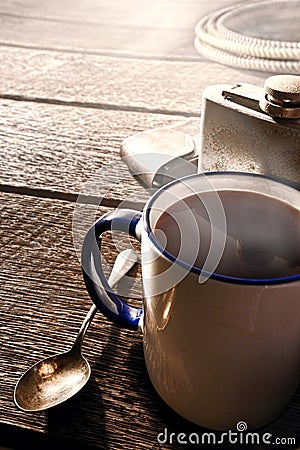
215,40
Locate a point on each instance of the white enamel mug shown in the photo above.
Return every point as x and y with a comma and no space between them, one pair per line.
219,349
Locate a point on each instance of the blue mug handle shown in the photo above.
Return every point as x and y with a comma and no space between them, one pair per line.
109,303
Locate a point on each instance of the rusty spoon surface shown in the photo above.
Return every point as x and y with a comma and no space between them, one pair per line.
57,378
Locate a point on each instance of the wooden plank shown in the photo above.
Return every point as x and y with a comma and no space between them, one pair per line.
59,148
42,303
143,28
107,81
146,13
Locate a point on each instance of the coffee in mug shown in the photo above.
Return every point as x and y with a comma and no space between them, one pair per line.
262,237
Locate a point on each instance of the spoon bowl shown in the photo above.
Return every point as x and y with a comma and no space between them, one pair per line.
52,381
55,379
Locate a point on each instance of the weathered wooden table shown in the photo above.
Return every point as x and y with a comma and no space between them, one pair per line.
76,79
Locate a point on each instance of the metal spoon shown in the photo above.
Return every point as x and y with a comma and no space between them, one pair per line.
57,378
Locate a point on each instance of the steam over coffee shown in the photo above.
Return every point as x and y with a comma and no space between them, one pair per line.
263,233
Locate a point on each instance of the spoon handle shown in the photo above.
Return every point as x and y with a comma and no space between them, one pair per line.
123,263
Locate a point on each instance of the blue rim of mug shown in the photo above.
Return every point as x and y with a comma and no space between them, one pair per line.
197,270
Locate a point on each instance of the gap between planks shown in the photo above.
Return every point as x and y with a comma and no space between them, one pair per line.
107,53
91,105
70,197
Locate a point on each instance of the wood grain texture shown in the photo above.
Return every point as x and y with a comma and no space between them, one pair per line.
61,148
103,82
43,301
155,28
145,13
